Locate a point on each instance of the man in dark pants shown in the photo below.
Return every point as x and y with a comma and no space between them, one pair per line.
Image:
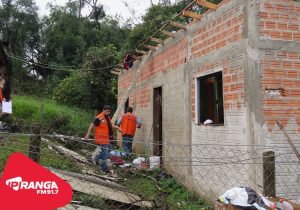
103,131
128,123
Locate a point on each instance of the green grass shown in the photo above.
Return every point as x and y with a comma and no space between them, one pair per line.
172,195
52,116
48,157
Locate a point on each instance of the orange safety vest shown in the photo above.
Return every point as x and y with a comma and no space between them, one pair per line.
101,134
128,124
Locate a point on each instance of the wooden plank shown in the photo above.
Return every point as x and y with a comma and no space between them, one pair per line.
120,66
75,207
141,52
178,25
104,192
66,152
207,4
150,47
137,57
115,72
168,33
159,41
91,179
191,15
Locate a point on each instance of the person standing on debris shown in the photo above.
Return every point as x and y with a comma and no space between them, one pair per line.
102,133
128,123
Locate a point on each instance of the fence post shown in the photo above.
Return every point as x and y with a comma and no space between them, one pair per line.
269,179
35,141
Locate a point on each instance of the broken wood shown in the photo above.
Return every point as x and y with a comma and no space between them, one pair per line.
115,72
103,177
178,25
191,15
159,41
66,152
150,47
168,33
207,4
90,179
103,191
141,52
137,57
120,66
75,207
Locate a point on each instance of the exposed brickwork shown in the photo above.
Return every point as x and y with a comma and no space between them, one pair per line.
144,97
218,33
280,70
279,20
233,82
167,60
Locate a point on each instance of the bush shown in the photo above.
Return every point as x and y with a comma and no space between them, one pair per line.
74,91
53,117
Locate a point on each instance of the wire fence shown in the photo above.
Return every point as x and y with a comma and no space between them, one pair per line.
207,170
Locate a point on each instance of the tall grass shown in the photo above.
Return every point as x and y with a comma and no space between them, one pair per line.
52,116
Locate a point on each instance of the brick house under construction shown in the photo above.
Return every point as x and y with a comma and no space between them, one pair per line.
238,66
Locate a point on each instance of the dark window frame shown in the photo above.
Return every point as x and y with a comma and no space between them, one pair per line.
210,98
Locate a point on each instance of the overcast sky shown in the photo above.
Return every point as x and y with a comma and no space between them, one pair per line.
111,7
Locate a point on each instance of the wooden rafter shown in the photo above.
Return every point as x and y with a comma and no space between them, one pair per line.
178,25
115,72
118,69
137,57
150,47
159,41
207,4
141,52
168,33
191,15
119,66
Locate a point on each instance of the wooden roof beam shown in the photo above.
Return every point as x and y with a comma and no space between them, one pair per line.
137,57
115,72
117,69
178,25
119,66
207,4
191,15
159,41
168,33
150,47
141,52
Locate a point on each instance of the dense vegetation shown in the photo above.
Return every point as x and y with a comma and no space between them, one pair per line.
67,57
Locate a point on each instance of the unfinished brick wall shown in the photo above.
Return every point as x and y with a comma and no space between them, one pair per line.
218,33
279,20
254,44
280,86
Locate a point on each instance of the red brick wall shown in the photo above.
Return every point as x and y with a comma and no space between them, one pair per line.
218,33
279,20
169,59
233,82
281,69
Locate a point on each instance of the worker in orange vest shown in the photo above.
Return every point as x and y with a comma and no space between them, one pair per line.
102,133
128,123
